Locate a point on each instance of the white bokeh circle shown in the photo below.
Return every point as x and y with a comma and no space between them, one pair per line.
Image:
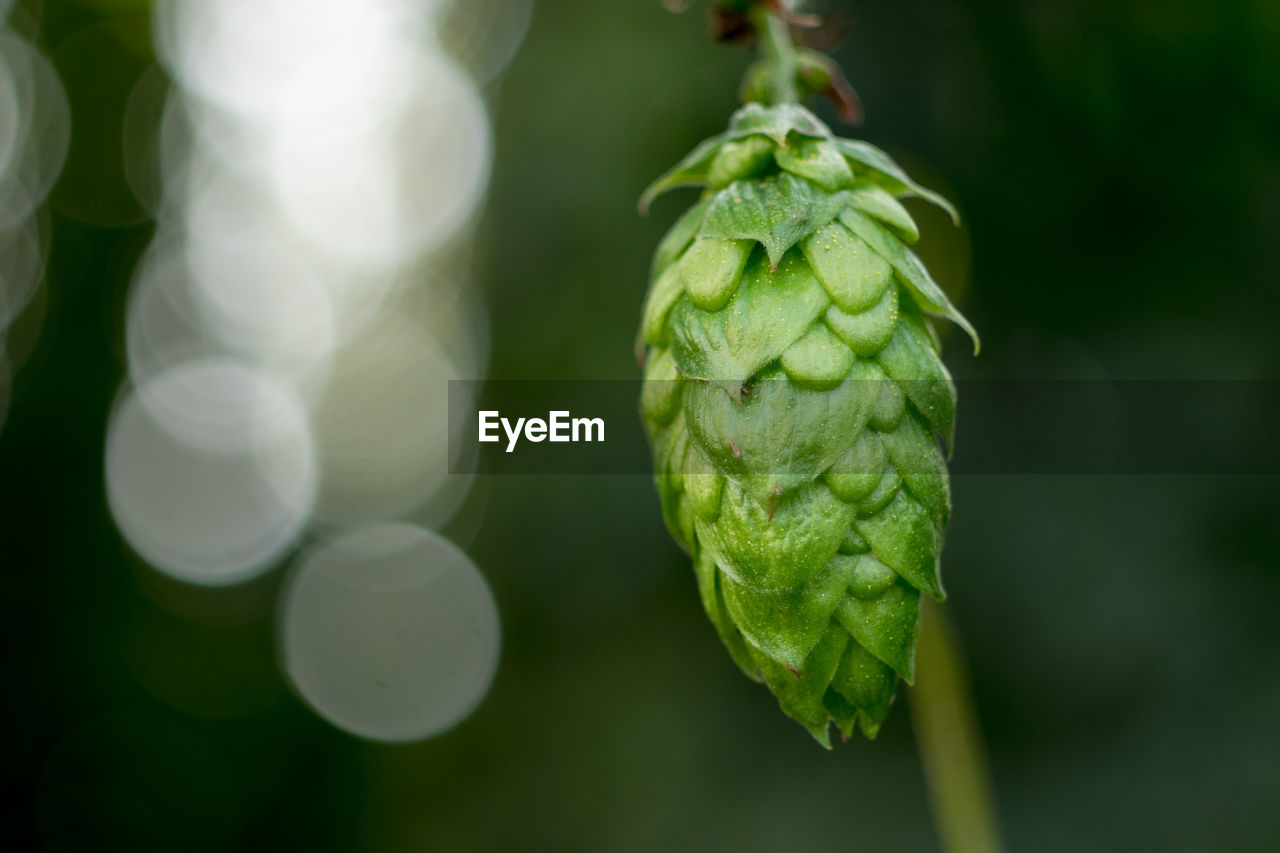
282,60
22,260
212,479
377,197
42,134
382,425
389,632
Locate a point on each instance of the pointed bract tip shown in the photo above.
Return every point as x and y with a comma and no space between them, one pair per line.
973,335
820,734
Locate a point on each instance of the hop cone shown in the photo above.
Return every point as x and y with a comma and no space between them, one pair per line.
795,403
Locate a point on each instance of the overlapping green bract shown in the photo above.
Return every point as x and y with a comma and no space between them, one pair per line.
794,399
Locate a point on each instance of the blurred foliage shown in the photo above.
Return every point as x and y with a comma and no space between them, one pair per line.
1117,163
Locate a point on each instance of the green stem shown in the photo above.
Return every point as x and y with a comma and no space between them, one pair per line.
950,742
777,47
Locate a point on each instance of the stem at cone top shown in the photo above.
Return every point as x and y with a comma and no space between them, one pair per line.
778,48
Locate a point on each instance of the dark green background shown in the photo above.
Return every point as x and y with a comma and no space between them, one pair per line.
1117,163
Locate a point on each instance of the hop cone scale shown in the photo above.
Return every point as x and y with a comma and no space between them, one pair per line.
796,405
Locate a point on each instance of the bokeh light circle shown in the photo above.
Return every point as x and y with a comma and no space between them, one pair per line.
22,261
377,197
258,290
177,314
483,35
382,425
143,136
281,60
389,632
43,132
212,479
10,115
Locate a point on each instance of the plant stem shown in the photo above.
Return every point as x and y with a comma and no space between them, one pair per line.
950,743
777,47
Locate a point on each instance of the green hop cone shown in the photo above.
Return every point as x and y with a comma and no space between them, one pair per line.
796,405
